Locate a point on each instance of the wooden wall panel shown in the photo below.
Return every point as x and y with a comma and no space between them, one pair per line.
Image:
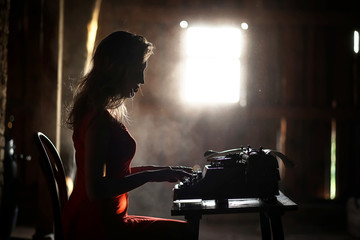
293,65
341,53
308,143
263,73
321,96
348,158
308,140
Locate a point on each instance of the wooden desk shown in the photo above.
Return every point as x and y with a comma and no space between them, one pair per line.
270,213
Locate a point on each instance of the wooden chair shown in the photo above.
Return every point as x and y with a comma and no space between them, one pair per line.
53,170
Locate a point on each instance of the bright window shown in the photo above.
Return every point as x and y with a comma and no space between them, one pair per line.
356,41
213,67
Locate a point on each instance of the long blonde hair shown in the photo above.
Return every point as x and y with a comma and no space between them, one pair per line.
102,87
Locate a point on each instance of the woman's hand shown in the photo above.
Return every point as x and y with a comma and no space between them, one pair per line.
169,174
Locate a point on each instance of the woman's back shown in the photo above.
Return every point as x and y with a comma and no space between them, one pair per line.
80,209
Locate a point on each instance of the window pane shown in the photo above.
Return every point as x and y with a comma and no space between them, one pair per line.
212,73
212,80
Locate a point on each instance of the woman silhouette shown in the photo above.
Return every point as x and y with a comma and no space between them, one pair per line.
97,208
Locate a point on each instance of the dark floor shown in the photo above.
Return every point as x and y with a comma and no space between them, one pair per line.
310,222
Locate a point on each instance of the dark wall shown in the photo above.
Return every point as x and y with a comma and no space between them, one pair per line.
31,92
32,89
4,35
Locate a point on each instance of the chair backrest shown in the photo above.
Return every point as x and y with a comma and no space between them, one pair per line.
53,170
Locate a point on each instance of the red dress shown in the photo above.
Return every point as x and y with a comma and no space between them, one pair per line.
108,219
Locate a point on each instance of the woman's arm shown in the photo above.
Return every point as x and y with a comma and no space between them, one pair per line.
138,169
153,167
99,186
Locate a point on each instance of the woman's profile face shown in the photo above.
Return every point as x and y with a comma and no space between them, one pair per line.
134,77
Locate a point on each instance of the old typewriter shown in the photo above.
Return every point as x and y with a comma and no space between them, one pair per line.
237,173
